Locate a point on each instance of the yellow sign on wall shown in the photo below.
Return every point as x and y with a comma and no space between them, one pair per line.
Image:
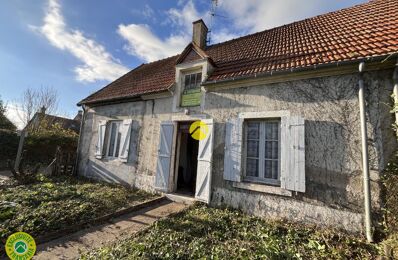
191,97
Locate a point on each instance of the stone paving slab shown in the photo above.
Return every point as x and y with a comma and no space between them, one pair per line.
68,247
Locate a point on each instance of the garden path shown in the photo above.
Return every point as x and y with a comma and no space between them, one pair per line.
68,247
4,176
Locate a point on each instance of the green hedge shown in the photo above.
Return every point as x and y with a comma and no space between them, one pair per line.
8,147
41,148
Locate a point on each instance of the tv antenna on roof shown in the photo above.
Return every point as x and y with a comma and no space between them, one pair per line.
214,5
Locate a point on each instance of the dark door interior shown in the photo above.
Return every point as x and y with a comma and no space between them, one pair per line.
188,161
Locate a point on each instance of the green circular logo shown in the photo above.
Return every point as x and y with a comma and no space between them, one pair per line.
20,245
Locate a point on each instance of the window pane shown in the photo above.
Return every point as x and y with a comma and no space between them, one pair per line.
268,131
119,135
193,79
112,139
252,167
253,130
268,169
275,131
275,150
271,150
271,131
252,148
268,149
186,81
275,166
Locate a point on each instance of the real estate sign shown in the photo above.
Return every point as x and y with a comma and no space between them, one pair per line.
191,97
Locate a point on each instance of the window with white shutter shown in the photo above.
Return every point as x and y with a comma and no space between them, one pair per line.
262,151
233,149
125,129
99,148
267,148
293,154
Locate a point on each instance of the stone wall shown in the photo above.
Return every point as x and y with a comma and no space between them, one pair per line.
329,105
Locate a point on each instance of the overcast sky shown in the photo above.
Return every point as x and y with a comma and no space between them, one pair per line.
79,46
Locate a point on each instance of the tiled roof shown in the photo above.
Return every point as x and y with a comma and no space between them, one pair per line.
147,78
362,31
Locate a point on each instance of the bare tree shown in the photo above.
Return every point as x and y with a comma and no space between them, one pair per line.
34,99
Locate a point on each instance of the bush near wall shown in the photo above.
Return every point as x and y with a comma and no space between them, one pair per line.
8,147
390,183
41,149
41,143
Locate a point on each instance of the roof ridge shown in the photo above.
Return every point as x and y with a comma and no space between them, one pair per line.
166,58
294,22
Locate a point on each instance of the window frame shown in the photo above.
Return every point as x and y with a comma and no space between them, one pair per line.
190,74
261,156
109,130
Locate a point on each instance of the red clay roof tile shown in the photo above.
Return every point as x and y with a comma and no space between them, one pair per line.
362,31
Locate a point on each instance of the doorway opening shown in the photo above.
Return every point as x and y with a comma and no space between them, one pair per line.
187,160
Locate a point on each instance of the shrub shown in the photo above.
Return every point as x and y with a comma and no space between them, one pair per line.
390,183
8,146
42,142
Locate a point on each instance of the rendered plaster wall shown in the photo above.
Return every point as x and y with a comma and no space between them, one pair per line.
329,105
108,169
139,171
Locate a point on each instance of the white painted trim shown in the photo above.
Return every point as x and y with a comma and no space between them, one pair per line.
264,114
188,117
262,188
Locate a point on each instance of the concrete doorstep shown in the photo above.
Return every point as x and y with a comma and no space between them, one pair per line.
68,247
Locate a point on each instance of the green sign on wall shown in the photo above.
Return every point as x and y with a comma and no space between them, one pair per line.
191,97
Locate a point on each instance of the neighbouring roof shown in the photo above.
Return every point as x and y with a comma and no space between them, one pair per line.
65,123
359,32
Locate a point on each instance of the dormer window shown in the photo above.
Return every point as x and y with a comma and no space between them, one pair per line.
191,94
192,80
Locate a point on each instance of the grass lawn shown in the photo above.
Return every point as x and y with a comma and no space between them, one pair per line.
207,233
54,203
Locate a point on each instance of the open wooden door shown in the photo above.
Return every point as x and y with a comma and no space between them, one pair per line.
205,154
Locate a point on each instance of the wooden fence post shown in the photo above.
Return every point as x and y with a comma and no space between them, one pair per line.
20,149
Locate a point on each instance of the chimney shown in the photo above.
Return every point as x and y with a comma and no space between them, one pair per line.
43,110
79,115
199,35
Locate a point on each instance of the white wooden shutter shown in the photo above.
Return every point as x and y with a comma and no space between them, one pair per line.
125,130
99,148
205,157
293,154
164,156
233,149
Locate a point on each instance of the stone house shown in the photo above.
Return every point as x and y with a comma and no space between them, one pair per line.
283,114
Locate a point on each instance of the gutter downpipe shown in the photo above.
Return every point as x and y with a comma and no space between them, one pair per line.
365,156
79,140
